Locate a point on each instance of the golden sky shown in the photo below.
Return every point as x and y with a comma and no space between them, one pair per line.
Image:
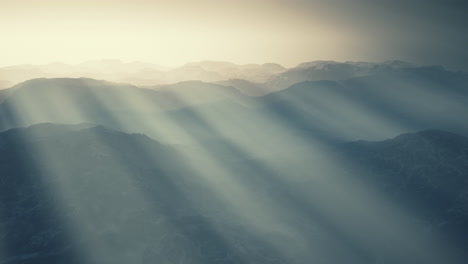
173,32
166,32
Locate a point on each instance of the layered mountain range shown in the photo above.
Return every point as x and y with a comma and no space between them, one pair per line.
376,106
252,79
322,163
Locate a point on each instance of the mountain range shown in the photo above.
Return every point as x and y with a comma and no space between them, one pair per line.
140,73
214,162
67,197
268,76
376,106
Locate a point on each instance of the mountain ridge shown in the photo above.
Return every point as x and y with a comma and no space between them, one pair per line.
272,75
93,159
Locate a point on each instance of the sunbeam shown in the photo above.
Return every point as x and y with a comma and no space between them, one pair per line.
216,162
233,132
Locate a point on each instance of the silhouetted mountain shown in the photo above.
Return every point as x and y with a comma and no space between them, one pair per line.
331,70
74,101
89,194
142,74
372,107
269,76
66,101
384,104
311,71
250,72
68,191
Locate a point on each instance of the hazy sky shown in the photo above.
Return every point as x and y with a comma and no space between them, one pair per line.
172,32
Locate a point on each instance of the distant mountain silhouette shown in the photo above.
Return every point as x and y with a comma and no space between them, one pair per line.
71,101
272,76
371,107
251,72
331,70
388,103
142,74
315,71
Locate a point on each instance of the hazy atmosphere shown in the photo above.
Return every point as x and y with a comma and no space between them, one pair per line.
174,32
233,132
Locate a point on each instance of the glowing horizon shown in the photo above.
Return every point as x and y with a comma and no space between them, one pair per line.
172,33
